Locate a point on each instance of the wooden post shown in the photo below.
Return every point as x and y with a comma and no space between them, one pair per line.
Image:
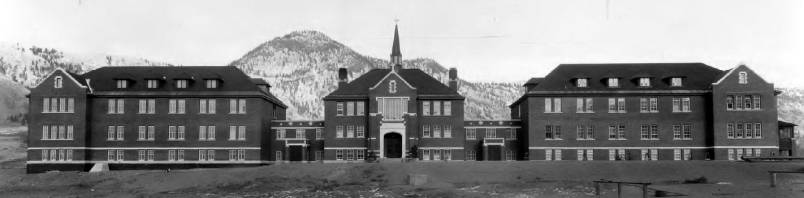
773,179
597,188
645,190
619,190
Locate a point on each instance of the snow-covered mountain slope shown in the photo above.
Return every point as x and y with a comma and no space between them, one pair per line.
302,67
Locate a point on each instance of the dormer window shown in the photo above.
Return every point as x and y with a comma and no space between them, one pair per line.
644,82
58,82
581,82
743,78
181,84
675,82
152,84
263,88
212,84
614,82
122,84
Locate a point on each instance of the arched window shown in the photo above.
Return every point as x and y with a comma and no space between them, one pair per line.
57,82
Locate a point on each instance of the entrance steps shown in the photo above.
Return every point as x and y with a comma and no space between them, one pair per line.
391,160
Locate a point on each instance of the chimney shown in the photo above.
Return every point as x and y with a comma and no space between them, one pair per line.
343,77
453,79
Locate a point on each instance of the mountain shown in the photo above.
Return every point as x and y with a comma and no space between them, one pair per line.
302,68
791,109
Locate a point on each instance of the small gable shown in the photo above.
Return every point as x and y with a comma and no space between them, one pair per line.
61,79
392,84
741,75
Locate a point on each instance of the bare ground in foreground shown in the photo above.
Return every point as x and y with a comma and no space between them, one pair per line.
445,179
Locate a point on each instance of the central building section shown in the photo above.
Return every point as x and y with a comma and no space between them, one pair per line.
394,112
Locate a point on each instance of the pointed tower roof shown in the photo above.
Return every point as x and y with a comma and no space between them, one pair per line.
395,50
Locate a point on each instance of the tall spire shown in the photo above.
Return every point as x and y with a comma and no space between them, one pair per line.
396,54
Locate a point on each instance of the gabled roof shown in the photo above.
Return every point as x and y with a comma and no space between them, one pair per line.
75,77
698,76
534,81
184,76
423,82
237,81
260,81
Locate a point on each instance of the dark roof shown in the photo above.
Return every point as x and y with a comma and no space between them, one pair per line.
395,49
78,78
259,81
237,81
534,81
184,76
786,124
423,82
698,76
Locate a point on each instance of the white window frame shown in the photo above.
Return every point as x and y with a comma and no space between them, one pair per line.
426,131
447,108
614,82
471,134
447,131
361,109
644,82
181,84
350,131
361,131
58,82
676,82
339,111
743,78
581,82
152,84
339,133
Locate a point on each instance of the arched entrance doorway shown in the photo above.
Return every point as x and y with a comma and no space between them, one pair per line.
393,145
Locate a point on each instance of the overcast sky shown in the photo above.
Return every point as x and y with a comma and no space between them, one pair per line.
485,40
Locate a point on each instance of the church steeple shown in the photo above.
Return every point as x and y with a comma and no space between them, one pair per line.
396,54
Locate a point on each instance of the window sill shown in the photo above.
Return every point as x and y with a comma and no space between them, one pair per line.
682,111
206,140
145,140
684,139
585,139
759,138
584,112
648,111
617,112
58,139
553,112
744,109
649,139
618,139
59,112
178,140
554,139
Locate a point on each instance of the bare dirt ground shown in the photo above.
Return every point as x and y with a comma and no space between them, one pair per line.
445,179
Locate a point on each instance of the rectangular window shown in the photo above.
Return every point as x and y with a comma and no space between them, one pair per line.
112,106
212,105
54,105
361,108
436,108
729,130
425,154
61,132
579,103
426,108
590,155
743,78
589,108
69,132
54,132
141,133
241,133
645,132
426,131
232,155
470,155
350,154
645,155
110,131
758,130
151,130
350,131
557,105
654,132
621,105
644,82
558,154
211,133
436,154
612,132
151,106
181,84
181,106
739,102
676,154
447,108
120,155
580,133
318,156
339,154
242,106
739,130
63,104
612,105
758,152
654,154
172,106
612,154
202,155
360,154
643,105
45,130
141,155
150,155
153,84
581,82
491,133
202,132
109,155
548,154
436,131
143,106
340,108
350,108
122,84
654,105
319,133
45,105
241,155
233,132
171,132
756,102
590,132
361,131
510,134
675,82
621,132
580,154
729,102
749,130
548,105
181,132
676,104
685,104
614,82
339,131
232,106
300,134
211,84
71,105
471,134
748,102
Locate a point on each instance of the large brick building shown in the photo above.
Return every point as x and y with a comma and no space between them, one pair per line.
150,117
187,117
661,111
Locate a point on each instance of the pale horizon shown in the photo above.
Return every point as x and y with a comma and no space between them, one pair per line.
519,40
